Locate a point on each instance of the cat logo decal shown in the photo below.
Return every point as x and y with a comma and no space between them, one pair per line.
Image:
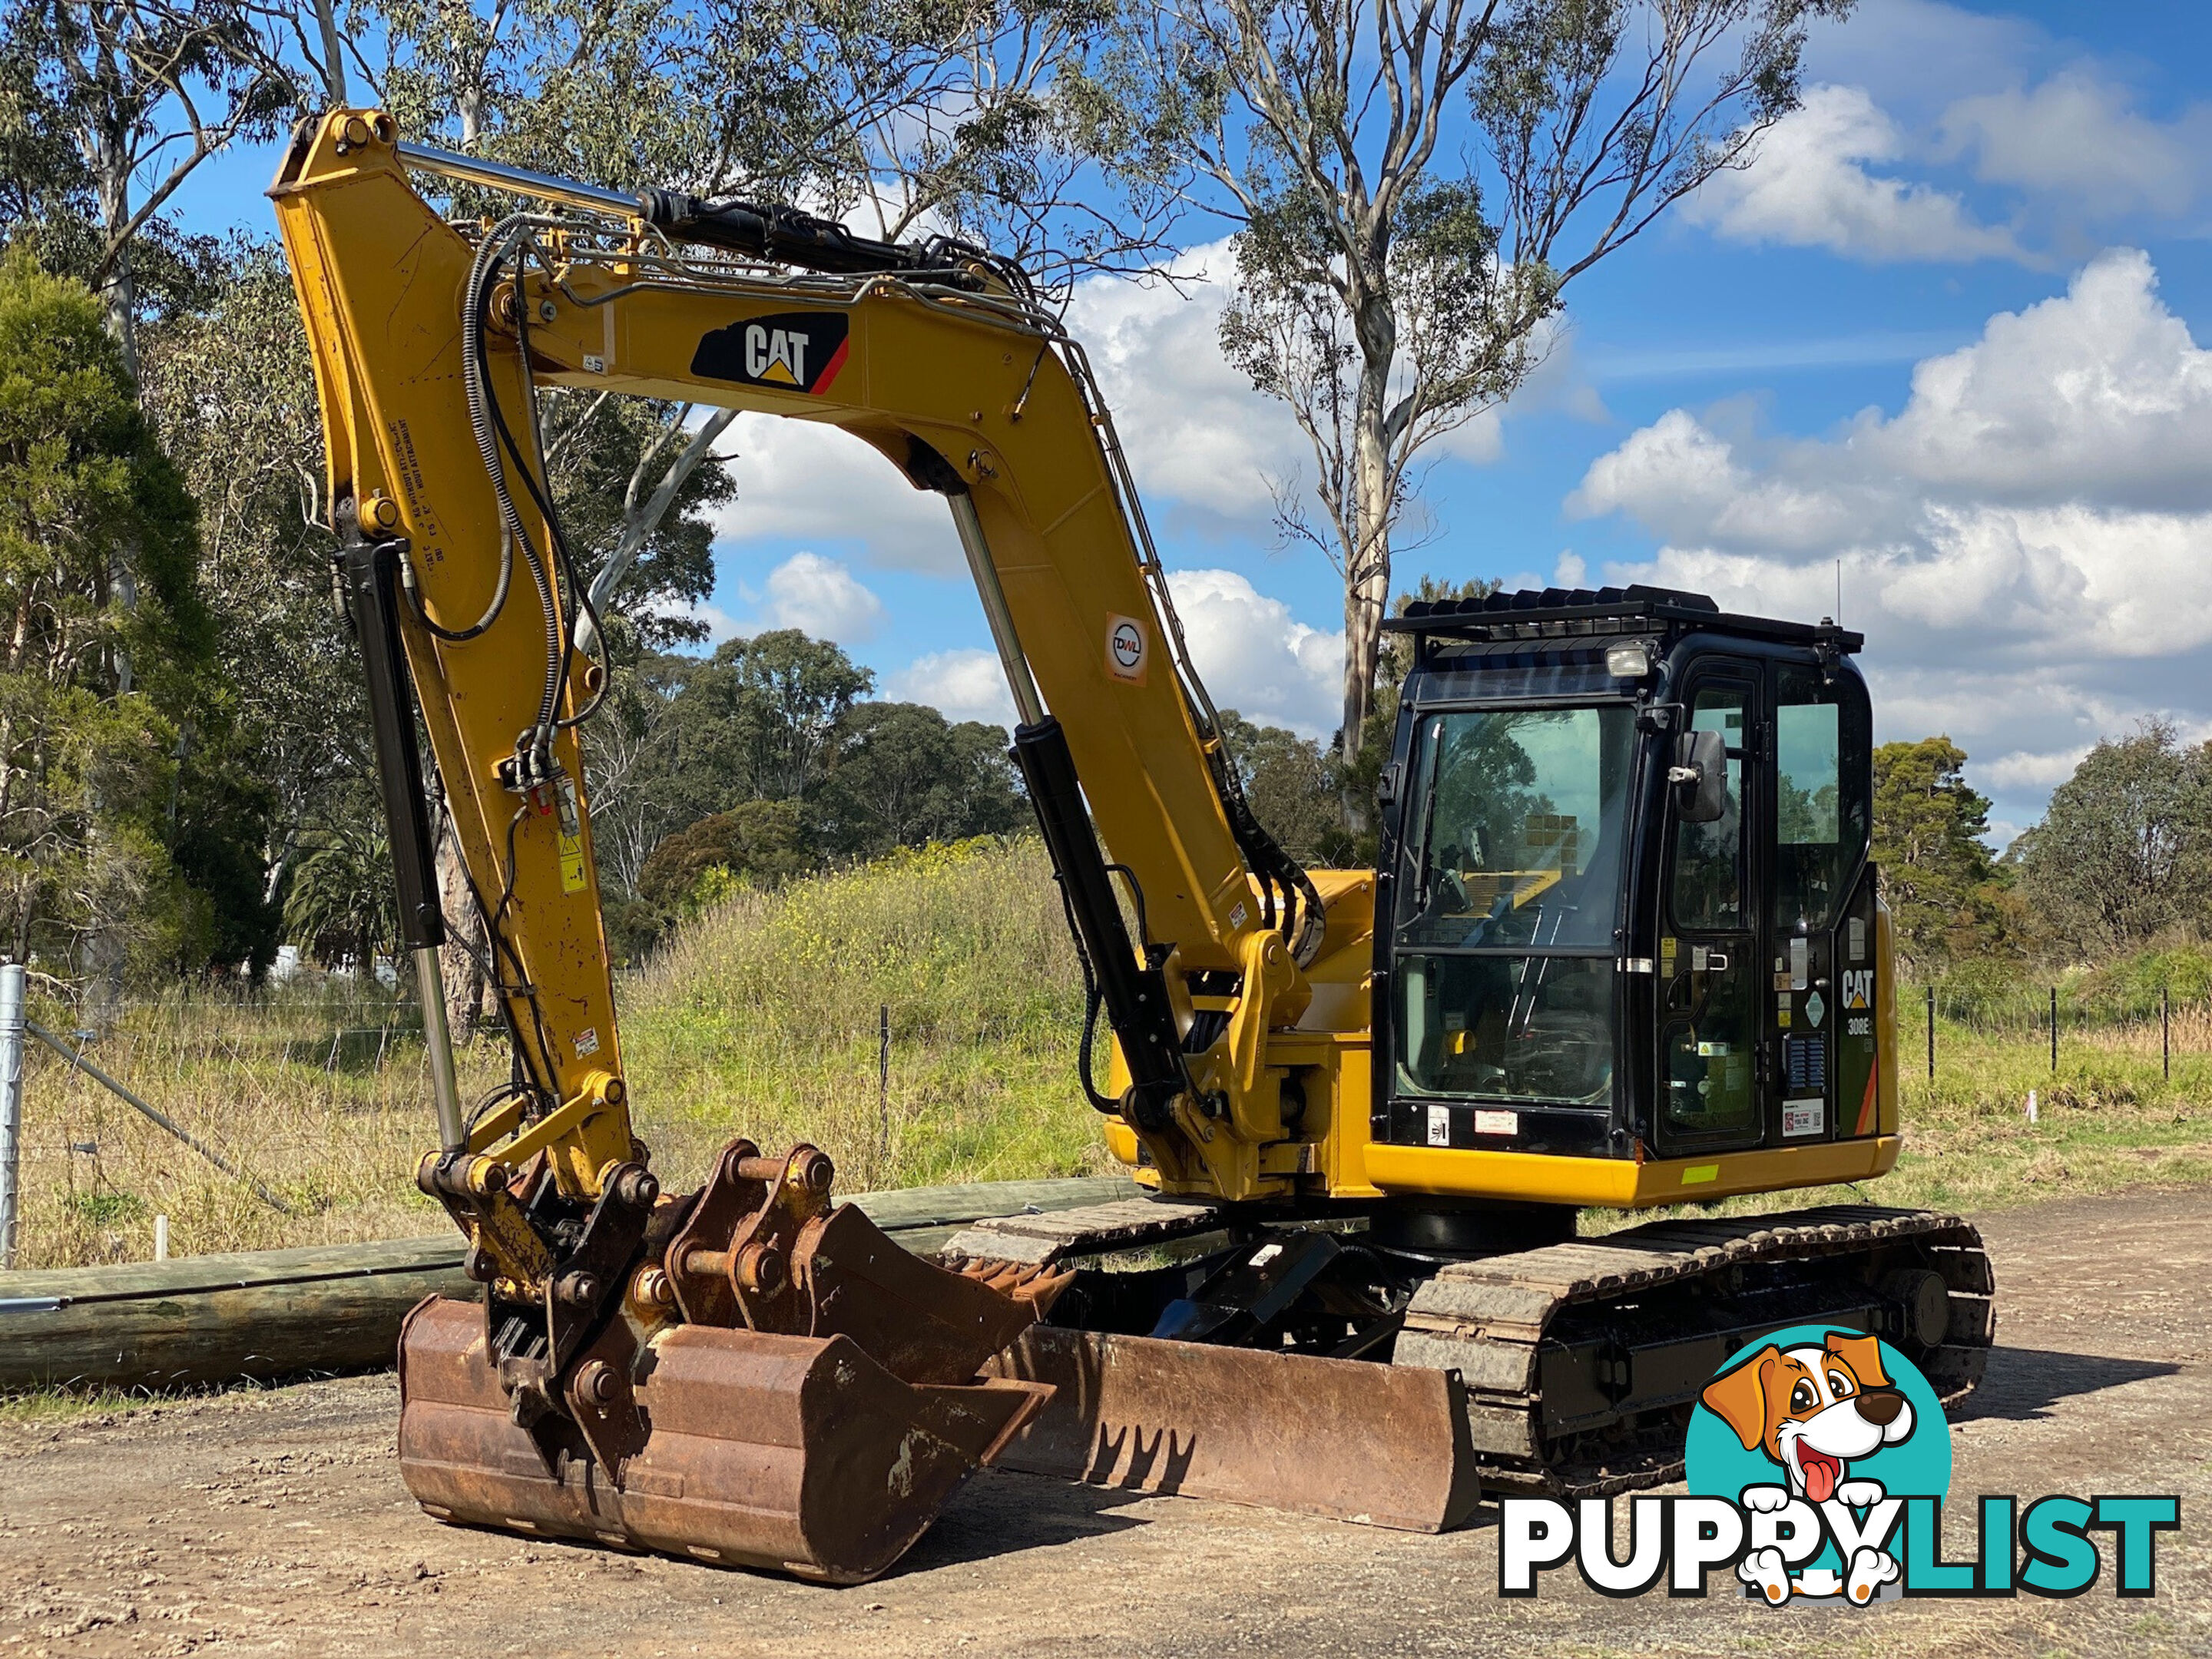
791,351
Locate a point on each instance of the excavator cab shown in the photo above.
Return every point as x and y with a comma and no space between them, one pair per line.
1624,903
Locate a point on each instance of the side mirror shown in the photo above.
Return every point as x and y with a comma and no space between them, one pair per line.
1699,776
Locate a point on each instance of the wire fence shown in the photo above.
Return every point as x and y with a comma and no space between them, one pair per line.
235,1122
314,1104
2142,1022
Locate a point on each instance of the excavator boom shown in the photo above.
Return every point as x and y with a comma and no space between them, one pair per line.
743,1373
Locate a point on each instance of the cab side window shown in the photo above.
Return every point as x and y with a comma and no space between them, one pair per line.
1821,822
1708,885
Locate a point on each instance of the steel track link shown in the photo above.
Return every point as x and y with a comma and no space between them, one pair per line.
1492,1321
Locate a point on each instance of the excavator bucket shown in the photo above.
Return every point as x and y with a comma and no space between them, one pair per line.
812,1414
791,1453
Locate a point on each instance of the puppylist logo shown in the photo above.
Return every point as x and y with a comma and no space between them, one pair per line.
1819,1464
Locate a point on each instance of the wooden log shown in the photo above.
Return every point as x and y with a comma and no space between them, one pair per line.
329,1308
256,1314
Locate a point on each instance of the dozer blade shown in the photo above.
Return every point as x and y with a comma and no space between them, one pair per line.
795,1453
1384,1445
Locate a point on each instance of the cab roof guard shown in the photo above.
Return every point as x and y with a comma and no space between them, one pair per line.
1559,613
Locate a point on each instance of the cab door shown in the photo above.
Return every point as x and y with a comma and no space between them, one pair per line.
1817,832
1711,981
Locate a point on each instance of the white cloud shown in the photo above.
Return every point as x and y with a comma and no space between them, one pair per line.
1196,431
2101,391
720,624
822,598
1680,478
807,481
2021,770
2079,136
1806,188
1198,437
961,685
1922,53
2026,543
1255,657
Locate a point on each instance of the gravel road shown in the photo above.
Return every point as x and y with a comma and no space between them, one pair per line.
275,1522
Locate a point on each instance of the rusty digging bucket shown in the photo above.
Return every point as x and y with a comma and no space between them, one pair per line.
811,1420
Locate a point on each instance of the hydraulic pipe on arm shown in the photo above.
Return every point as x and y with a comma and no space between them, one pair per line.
933,357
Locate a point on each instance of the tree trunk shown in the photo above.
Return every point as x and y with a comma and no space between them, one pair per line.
111,162
1367,567
461,967
334,74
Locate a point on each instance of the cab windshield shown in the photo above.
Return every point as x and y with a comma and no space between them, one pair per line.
1508,892
1521,814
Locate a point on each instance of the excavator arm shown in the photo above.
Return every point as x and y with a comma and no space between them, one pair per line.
428,344
638,1356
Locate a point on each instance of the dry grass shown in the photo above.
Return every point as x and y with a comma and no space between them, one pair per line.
761,1019
315,1090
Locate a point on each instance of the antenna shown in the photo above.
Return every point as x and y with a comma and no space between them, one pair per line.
1839,590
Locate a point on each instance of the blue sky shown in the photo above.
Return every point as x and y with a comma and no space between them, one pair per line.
1946,329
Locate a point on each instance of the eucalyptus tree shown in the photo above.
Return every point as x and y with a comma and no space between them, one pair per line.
1416,182
132,97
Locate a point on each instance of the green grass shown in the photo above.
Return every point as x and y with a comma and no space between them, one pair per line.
2106,1119
761,1019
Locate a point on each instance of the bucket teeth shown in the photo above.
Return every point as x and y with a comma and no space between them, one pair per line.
1031,1282
808,1403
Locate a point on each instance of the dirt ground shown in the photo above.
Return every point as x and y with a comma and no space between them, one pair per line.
275,1522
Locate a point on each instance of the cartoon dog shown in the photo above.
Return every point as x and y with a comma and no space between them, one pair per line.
1812,1410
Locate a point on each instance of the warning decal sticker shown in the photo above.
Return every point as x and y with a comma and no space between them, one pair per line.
791,351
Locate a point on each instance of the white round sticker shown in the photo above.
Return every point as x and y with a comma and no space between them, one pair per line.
1128,643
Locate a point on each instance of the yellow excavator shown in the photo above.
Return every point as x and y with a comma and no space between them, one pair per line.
1622,950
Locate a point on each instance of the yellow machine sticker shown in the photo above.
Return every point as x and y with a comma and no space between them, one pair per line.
1697,1173
572,864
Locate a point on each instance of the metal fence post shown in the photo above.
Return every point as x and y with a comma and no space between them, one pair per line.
1932,1034
11,1104
2166,1031
2054,1028
882,1091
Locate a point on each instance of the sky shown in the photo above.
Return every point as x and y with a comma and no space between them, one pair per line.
1940,344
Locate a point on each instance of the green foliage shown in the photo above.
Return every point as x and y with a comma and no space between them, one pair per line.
1389,288
761,842
760,761
1293,785
2130,987
109,1208
342,905
1945,889
106,646
756,720
905,776
2124,852
601,451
